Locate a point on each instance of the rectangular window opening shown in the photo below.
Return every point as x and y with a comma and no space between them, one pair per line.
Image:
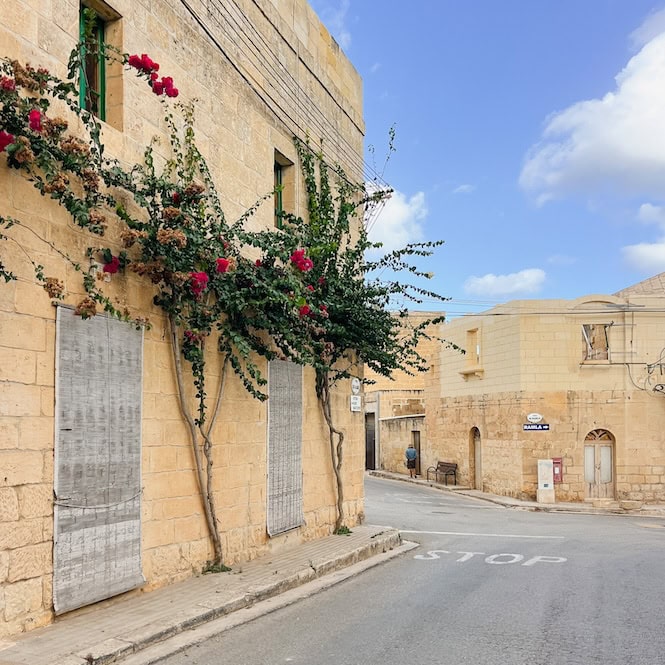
284,187
596,341
92,92
101,79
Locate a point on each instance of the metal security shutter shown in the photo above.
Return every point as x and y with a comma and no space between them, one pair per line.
97,531
284,447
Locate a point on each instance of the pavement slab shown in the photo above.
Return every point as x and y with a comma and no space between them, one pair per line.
112,631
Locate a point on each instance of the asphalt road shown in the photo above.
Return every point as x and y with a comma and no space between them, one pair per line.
488,585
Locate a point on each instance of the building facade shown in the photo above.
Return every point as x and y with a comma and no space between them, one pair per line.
395,408
127,513
581,381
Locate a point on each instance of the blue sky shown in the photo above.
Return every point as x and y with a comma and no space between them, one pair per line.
530,137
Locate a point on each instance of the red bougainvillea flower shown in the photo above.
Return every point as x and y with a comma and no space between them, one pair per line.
324,311
143,63
304,310
5,139
310,287
321,281
198,282
300,261
7,84
192,337
35,119
112,266
258,263
165,86
223,265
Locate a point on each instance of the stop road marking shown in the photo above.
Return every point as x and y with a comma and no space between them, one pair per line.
495,559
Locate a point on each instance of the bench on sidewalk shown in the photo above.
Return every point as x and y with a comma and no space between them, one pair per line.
443,470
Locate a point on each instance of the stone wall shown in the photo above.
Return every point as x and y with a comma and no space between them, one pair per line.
531,361
260,72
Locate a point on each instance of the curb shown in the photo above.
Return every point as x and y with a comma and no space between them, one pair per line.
115,650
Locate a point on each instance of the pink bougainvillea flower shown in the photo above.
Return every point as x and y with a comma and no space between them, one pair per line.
7,84
5,139
223,265
310,287
35,119
321,281
134,61
112,266
198,282
304,310
143,63
300,261
163,86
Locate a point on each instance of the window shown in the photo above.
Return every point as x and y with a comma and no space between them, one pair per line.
93,68
100,32
473,360
284,187
472,347
596,341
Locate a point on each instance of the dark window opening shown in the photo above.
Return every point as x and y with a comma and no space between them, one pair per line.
92,94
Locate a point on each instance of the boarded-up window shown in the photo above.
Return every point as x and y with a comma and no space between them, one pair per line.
284,447
97,551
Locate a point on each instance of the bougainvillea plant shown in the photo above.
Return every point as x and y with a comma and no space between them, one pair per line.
307,298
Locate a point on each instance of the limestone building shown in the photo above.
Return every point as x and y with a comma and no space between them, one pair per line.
581,380
395,408
259,72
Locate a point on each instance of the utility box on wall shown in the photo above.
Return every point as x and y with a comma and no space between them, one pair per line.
545,493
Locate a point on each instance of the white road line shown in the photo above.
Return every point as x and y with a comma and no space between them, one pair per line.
483,535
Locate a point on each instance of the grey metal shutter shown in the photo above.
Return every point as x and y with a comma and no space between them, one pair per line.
285,496
97,530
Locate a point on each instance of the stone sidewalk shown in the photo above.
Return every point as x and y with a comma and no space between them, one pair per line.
115,630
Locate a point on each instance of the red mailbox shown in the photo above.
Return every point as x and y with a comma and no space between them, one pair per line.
557,464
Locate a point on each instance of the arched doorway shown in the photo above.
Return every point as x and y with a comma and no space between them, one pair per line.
475,458
599,464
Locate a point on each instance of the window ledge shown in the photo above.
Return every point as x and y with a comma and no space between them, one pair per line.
595,363
475,370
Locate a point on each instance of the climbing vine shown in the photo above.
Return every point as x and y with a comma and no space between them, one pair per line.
309,296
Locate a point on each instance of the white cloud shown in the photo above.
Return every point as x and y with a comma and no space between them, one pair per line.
651,214
375,68
653,26
518,283
614,144
397,221
464,189
648,258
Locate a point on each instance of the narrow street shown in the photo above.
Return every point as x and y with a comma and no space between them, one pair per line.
488,585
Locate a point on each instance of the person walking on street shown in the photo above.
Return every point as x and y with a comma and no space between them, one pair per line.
411,456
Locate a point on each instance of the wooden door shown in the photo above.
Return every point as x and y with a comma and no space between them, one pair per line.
599,465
